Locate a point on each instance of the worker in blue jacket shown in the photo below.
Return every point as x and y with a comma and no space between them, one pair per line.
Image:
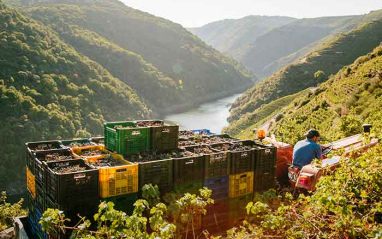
305,151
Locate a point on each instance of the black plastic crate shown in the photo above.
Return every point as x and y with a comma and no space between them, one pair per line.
40,146
219,187
40,197
265,157
30,202
98,140
123,203
75,143
188,169
40,159
84,206
244,160
217,164
159,172
188,187
64,188
164,138
216,218
264,181
237,211
220,139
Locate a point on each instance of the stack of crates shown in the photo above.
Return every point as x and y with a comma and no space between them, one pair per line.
265,168
132,154
118,178
188,171
216,178
73,193
35,199
242,163
154,169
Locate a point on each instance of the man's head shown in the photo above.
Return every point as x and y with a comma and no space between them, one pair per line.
313,135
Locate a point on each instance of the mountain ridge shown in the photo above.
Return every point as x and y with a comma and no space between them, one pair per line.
300,75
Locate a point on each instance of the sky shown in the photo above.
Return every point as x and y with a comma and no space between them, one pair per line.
196,13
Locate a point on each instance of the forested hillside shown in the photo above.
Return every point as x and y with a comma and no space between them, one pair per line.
340,106
48,90
337,108
78,64
311,70
229,35
177,66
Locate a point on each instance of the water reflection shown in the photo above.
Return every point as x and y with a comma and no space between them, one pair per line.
212,116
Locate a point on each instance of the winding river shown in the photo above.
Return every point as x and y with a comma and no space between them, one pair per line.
212,116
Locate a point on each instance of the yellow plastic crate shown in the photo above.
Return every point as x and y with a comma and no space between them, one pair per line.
31,183
240,184
118,180
79,151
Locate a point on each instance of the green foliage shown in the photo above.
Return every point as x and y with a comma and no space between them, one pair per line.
346,204
148,53
112,223
341,107
50,91
330,57
319,76
9,211
350,125
65,74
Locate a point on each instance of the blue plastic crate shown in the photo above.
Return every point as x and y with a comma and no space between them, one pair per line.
206,131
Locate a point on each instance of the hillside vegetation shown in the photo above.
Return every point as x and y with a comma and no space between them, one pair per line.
339,107
244,127
311,70
67,66
48,90
229,35
174,67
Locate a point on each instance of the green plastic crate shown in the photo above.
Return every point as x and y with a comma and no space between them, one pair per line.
126,141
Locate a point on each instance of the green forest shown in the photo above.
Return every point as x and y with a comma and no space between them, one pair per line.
66,67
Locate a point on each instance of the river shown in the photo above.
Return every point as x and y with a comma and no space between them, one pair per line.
212,116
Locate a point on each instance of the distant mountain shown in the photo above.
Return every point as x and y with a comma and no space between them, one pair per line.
287,59
231,34
287,39
310,70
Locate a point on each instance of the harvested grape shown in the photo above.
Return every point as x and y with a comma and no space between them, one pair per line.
91,152
108,161
57,157
68,169
46,146
150,123
77,145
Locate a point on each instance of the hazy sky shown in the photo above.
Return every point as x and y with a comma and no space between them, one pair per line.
194,13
